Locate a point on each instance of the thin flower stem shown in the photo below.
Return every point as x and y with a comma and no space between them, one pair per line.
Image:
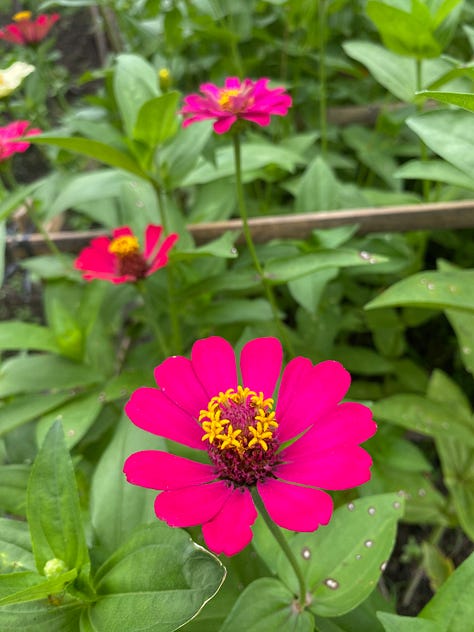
285,547
151,318
251,246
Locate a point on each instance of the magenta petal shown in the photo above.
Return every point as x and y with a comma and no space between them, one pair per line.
294,507
177,379
152,238
191,506
161,470
260,363
260,118
151,410
232,83
213,362
229,531
122,231
318,391
224,123
160,258
342,468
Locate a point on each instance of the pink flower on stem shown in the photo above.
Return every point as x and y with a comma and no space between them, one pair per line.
120,259
8,134
26,31
289,452
249,100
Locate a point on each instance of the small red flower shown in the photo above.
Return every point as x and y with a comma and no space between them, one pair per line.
8,146
289,452
120,259
26,31
249,100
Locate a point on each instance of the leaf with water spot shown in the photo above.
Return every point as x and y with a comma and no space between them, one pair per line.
342,562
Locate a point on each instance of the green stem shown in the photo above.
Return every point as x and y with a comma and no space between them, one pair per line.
151,317
285,547
251,246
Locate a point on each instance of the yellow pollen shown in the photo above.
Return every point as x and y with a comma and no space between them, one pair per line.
164,74
225,98
22,15
124,245
244,407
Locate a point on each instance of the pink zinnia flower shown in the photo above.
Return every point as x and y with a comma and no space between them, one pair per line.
27,31
289,452
120,259
249,100
8,134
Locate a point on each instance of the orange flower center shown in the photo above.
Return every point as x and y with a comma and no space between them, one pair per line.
124,246
21,16
227,97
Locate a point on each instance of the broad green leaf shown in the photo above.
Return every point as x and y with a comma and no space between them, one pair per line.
117,507
51,266
135,82
18,335
450,134
463,325
14,479
157,120
362,360
15,546
289,268
36,373
237,310
452,608
438,567
435,170
53,510
179,156
76,417
361,619
36,616
266,604
29,586
438,290
397,623
418,413
223,246
307,290
342,561
176,579
13,200
24,408
93,149
318,189
461,99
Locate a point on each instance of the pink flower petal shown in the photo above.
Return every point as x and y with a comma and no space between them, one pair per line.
161,470
177,379
161,257
122,231
152,237
319,390
229,531
191,506
224,123
260,118
150,410
260,363
294,507
341,468
213,362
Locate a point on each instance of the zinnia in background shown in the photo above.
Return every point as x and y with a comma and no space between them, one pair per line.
249,100
11,77
289,453
26,30
8,146
120,259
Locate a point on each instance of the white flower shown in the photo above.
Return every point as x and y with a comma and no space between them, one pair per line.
11,77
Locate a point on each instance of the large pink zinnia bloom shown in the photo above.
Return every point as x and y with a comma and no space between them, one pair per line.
8,146
249,100
289,453
27,31
120,259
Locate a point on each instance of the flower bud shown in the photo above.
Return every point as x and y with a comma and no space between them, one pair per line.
54,568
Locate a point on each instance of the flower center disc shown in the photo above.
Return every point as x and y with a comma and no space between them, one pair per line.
21,16
239,426
130,260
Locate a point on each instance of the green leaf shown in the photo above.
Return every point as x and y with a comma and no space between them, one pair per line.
36,616
396,623
237,310
452,608
117,507
28,586
362,360
13,200
439,290
27,407
435,170
178,157
14,479
461,99
15,546
157,120
342,562
53,510
266,604
463,325
450,134
93,149
18,335
37,373
176,579
318,189
135,82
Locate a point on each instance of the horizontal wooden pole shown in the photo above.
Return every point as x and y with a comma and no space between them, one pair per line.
436,216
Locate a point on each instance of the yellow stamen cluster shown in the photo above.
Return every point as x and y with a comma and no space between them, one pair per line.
257,430
124,245
225,98
22,15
